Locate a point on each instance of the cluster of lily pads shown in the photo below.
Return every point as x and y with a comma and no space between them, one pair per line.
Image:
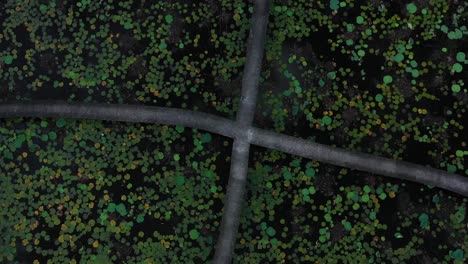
384,77
302,211
108,192
125,51
80,190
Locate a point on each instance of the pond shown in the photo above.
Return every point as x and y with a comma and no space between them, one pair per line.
380,77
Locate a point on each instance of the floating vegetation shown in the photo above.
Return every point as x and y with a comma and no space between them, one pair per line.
287,220
382,77
80,188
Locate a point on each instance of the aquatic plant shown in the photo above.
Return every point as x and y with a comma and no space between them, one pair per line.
378,78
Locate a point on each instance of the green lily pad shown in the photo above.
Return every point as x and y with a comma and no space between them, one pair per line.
206,138
457,67
334,4
411,8
60,122
128,25
326,120
52,135
180,129
423,220
140,219
312,190
162,45
8,59
365,198
121,209
456,88
169,19
367,189
180,180
461,56
7,154
270,231
111,207
359,19
399,57
347,225
379,98
457,254
387,79
310,172
194,234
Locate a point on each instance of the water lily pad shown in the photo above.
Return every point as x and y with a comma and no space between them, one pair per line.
52,135
121,209
334,4
312,190
423,220
310,172
7,154
45,137
179,129
411,8
379,97
387,79
457,254
461,56
451,168
169,19
162,45
194,234
140,219
111,207
326,120
206,138
366,189
399,57
457,67
359,19
8,59
456,88
347,225
270,231
180,180
365,198
128,25
60,122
